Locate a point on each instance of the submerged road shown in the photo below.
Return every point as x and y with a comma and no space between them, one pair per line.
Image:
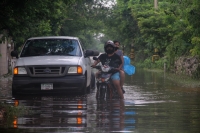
152,104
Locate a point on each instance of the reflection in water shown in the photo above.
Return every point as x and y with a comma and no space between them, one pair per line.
152,104
50,112
110,115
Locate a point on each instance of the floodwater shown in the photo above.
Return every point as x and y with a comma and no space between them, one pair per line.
152,104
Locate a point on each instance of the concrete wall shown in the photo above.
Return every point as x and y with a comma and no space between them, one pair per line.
5,57
189,66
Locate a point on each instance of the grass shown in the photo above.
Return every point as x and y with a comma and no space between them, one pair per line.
182,80
8,113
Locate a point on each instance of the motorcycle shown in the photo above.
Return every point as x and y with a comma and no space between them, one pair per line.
105,87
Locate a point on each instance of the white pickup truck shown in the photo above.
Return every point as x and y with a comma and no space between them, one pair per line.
52,64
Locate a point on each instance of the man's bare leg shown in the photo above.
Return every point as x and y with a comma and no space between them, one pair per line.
122,78
118,87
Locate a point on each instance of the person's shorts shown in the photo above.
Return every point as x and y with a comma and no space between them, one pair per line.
115,76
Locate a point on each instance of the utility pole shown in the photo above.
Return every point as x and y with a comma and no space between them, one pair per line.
156,4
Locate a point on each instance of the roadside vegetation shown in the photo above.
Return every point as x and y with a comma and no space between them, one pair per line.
181,80
8,113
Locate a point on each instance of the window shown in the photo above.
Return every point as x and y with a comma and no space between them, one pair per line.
42,47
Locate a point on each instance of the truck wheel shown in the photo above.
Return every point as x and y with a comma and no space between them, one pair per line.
102,91
89,87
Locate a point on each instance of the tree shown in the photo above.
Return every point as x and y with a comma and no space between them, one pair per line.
23,18
85,20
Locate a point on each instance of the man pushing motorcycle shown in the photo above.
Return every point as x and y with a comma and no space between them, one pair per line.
111,59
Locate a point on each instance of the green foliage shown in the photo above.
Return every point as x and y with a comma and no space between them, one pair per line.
159,64
171,28
85,21
9,113
196,49
196,74
121,25
24,19
147,63
176,49
154,26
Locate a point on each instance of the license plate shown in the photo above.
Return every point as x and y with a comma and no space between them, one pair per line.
47,86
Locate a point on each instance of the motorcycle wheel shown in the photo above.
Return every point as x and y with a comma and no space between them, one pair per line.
101,91
109,92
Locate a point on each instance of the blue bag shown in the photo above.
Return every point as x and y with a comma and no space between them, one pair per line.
128,68
127,60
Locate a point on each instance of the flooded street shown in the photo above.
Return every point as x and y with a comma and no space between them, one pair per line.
152,104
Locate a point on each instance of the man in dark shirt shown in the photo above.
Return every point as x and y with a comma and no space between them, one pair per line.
111,59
